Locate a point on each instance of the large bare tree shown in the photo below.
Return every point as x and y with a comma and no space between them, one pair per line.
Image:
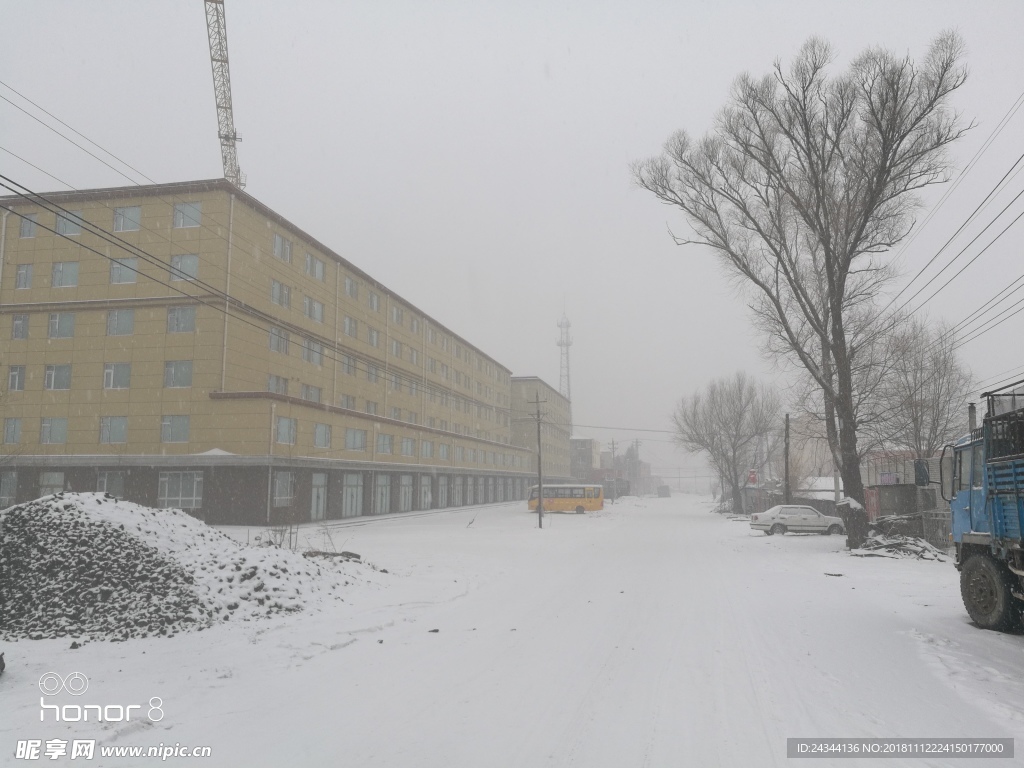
802,185
728,422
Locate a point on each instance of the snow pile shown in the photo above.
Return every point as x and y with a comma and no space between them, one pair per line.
88,565
880,545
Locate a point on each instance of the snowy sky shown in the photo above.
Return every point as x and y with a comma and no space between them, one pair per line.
474,156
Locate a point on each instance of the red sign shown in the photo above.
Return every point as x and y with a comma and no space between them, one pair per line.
752,477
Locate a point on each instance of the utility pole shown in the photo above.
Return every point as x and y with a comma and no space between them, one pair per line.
540,472
787,492
615,482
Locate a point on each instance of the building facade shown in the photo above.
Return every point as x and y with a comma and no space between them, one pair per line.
584,458
184,345
554,430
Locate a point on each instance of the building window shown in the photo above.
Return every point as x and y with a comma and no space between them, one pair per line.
396,315
64,274
174,429
372,373
120,322
277,384
347,401
414,418
124,271
19,327
50,483
181,319
16,378
460,453
188,215
322,435
12,431
396,348
8,488
394,382
385,443
371,407
128,219
414,325
311,393
442,451
374,301
282,248
184,266
408,446
23,276
372,336
280,294
117,375
69,223
279,340
284,488
355,439
315,268
114,429
351,288
427,449
313,309
53,431
313,352
351,327
180,490
110,482
414,388
414,356
178,373
28,224
396,413
57,377
286,430
61,325
348,364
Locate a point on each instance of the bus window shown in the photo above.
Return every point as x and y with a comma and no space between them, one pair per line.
590,493
577,493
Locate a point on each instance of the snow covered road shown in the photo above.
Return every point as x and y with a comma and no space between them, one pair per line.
651,634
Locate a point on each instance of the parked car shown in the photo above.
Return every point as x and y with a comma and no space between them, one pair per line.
795,519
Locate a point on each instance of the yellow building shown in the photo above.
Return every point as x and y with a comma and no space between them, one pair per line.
554,429
183,345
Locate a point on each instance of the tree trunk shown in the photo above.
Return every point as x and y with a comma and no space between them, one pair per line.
737,504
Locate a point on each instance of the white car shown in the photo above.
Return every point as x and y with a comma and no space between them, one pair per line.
789,517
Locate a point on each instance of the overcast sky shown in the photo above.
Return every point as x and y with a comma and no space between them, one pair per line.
474,156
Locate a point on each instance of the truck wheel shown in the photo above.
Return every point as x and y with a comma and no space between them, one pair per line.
777,528
985,587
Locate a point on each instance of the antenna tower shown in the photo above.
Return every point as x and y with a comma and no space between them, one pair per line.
216,29
564,379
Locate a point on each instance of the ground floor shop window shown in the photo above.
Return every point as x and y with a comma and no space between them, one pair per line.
182,490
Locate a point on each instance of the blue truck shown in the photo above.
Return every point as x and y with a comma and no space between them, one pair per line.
984,485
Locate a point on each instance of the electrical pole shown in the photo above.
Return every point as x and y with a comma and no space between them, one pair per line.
615,482
787,492
540,472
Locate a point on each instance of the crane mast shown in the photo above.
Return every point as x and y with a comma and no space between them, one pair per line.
217,31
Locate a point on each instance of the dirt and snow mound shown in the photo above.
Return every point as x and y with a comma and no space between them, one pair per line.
87,565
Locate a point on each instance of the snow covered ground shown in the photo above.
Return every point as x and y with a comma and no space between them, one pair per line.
651,634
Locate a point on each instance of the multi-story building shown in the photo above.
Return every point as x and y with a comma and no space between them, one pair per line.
554,431
584,458
184,345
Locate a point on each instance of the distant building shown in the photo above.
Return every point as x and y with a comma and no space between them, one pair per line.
554,425
226,362
584,458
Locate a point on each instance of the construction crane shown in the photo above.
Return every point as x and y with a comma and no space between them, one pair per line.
217,30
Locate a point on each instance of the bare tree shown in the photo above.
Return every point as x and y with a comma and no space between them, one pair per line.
802,185
925,394
727,422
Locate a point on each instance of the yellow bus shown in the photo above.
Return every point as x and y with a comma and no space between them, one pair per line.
569,497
